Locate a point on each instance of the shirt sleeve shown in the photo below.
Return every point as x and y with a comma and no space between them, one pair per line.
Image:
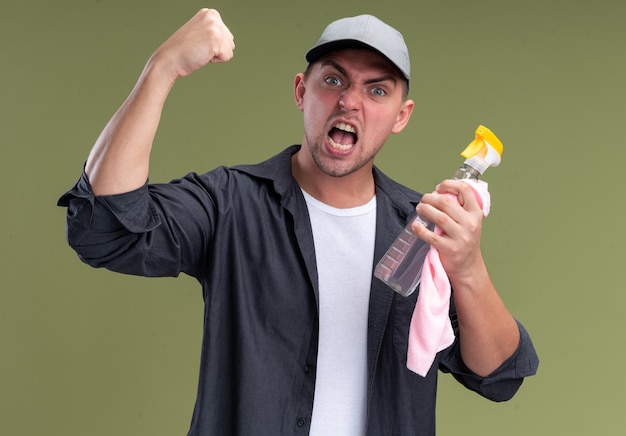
155,230
504,382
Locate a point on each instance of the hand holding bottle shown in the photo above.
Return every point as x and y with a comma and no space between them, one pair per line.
454,209
457,214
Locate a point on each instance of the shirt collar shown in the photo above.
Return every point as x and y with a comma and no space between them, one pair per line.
278,170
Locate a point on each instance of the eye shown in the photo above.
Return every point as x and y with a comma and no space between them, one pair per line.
333,81
379,92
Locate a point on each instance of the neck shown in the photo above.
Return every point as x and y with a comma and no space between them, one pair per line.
353,190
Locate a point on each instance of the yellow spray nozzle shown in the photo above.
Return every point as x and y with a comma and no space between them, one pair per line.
485,145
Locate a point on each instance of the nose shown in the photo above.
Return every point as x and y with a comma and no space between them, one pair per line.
350,99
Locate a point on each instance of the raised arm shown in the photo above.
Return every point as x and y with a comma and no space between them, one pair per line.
119,160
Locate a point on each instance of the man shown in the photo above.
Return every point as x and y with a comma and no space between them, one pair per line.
298,336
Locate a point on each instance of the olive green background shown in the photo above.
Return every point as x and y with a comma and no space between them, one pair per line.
89,352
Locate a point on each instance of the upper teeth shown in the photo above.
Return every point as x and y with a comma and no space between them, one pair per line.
345,127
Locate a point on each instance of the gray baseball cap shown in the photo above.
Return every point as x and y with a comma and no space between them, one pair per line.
364,31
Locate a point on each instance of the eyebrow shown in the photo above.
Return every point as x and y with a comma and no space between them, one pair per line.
386,77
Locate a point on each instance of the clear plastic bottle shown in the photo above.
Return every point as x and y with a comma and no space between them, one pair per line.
401,266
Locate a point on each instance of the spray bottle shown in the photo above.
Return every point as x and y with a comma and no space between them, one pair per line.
401,266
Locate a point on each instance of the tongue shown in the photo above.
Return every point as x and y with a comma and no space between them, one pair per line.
342,137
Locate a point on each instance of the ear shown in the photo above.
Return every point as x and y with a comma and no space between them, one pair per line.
298,90
404,115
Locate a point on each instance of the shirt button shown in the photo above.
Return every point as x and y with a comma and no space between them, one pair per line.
308,369
301,422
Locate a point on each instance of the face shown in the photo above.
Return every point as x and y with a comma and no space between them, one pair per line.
352,100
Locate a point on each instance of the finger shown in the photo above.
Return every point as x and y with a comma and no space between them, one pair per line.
435,213
465,194
439,206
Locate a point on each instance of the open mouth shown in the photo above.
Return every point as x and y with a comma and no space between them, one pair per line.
342,136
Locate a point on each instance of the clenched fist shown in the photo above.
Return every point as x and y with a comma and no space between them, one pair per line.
203,39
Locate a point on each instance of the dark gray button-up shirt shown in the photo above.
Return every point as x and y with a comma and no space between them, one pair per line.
244,234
